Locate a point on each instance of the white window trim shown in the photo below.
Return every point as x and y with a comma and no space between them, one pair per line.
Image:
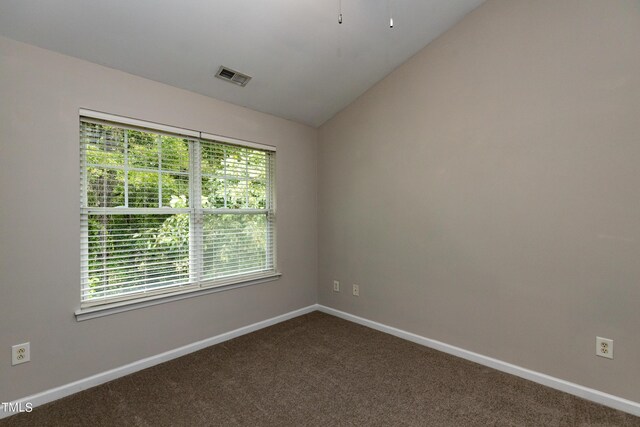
135,304
153,126
116,305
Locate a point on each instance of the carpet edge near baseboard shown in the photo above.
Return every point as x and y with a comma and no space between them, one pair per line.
578,390
587,393
65,390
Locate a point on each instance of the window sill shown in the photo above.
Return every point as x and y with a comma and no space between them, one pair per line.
122,306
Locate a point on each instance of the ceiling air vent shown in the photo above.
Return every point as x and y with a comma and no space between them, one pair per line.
232,76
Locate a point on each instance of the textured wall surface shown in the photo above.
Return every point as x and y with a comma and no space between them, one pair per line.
41,93
487,192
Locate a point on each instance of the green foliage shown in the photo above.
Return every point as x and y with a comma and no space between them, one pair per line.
234,177
234,244
135,169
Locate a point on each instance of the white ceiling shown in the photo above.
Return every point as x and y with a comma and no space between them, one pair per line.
305,66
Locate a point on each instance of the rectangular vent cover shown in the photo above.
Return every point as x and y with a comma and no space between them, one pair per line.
232,76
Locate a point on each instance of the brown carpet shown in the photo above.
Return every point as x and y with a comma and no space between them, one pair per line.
323,371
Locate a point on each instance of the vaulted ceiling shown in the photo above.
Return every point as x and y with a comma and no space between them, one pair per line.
305,66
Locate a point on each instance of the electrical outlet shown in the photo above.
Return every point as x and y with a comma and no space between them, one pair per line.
20,353
336,286
604,347
356,290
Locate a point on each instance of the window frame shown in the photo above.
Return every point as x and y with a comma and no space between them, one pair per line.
195,285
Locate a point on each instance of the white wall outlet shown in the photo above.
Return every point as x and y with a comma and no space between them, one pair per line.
604,347
20,353
356,290
336,286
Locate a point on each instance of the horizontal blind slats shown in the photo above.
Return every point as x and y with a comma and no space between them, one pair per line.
142,232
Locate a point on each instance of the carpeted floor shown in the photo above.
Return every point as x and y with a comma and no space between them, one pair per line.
323,371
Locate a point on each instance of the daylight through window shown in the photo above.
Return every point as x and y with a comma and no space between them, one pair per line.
163,212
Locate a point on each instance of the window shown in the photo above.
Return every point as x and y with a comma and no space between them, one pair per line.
170,212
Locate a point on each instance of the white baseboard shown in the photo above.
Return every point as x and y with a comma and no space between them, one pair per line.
593,395
103,377
547,380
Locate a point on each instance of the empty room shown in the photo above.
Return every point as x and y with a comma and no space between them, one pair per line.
319,213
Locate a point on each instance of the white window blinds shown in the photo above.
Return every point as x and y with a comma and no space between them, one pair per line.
163,212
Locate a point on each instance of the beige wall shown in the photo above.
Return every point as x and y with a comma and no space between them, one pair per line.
487,193
40,93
